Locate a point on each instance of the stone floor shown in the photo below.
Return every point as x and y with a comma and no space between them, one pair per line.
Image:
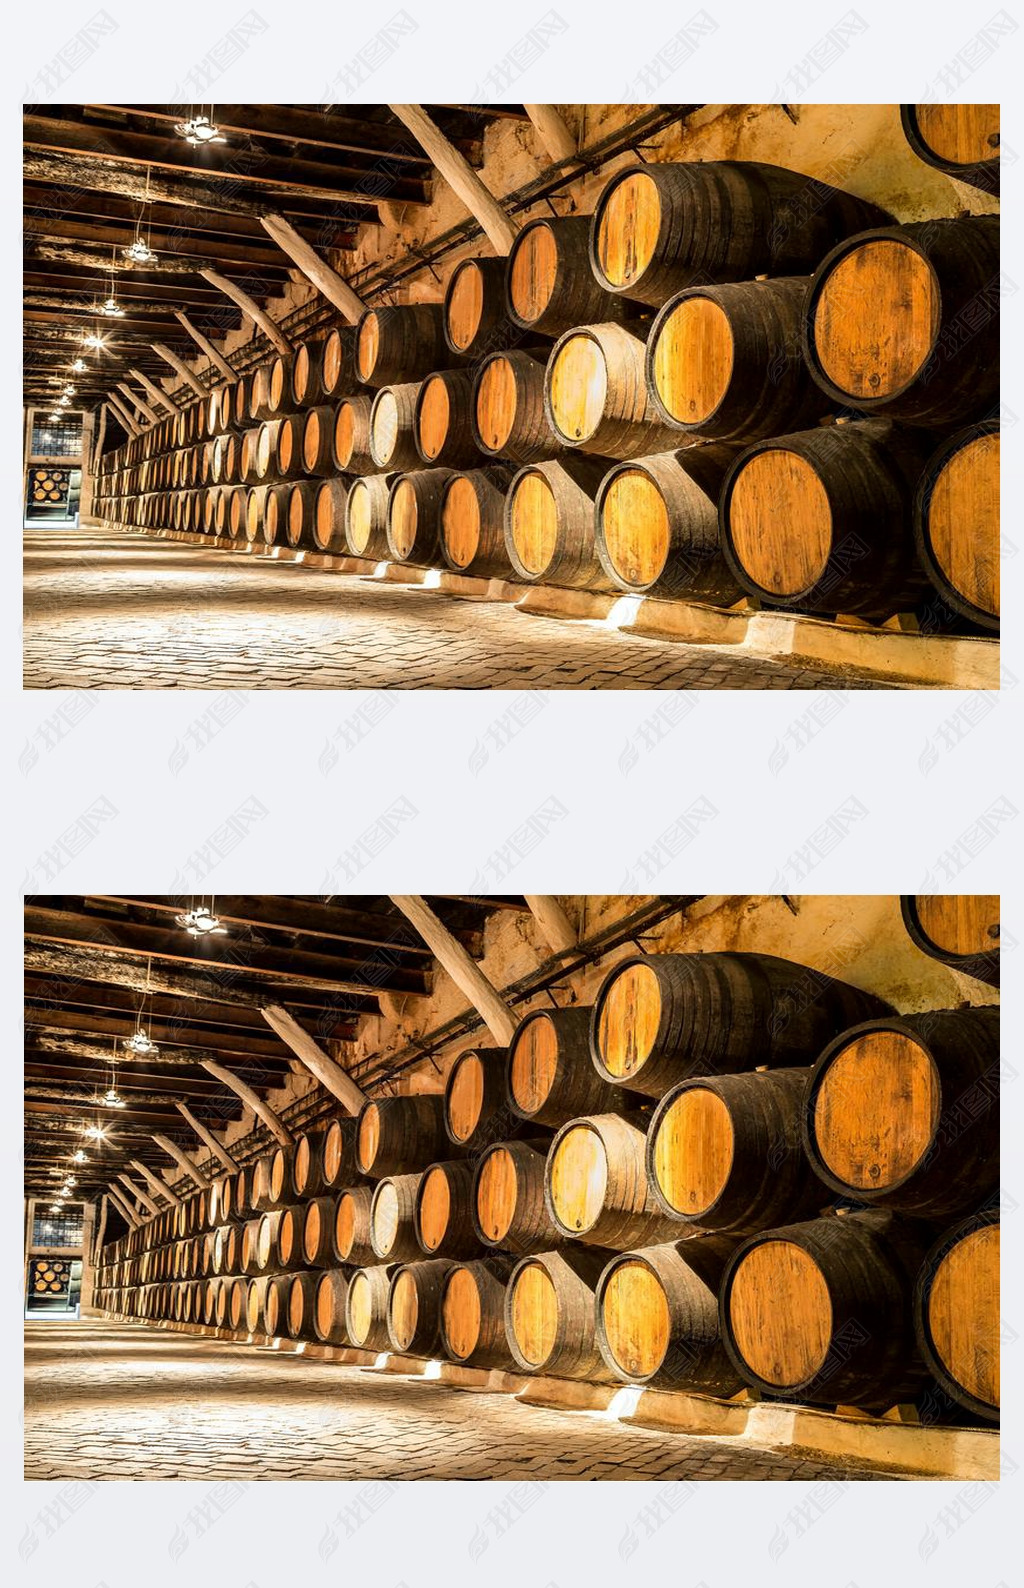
107,1400
107,610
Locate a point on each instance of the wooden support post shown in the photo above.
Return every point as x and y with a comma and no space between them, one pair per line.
138,1193
120,1202
552,132
140,403
326,281
460,176
160,1186
464,971
278,1129
553,921
155,392
130,424
183,1158
206,346
327,1071
208,1137
100,1231
176,363
248,306
98,440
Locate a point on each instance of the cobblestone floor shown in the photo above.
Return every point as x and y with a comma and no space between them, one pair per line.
106,1400
105,610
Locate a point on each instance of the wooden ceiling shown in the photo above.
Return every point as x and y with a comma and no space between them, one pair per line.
88,169
89,959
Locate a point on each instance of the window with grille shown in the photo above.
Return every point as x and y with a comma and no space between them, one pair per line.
58,1229
59,438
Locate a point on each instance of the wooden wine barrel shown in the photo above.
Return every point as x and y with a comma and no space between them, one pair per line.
240,393
657,1316
221,1301
301,1305
306,388
401,344
351,446
595,394
329,516
550,1076
726,1152
509,1210
275,1306
288,461
350,1230
596,1185
477,1110
414,1307
414,516
960,929
956,520
724,363
248,1251
275,515
329,1307
475,316
393,427
821,521
443,426
905,321
822,1311
261,1196
660,1018
307,1164
247,455
550,1312
338,1165
473,522
318,442
266,448
658,229
656,525
366,515
337,362
956,1306
265,1256
549,522
301,515
473,1313
288,1252
392,1219
961,140
366,1308
509,419
259,393
318,1232
279,385
255,1297
397,1134
904,1112
550,286
443,1214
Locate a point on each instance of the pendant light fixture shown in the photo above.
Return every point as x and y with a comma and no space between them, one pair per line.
199,920
140,1044
138,251
199,128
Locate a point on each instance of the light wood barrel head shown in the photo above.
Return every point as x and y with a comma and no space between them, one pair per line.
367,345
345,1223
295,515
634,519
303,1163
780,1313
264,449
287,1236
496,1191
780,521
876,1109
311,439
693,360
385,1217
385,426
578,386
360,516
332,361
534,1063
311,1230
460,520
253,1307
271,1309
404,1305
360,1308
368,1136
876,318
466,1095
334,1147
635,1318
324,513
296,1307
693,1151
404,514
434,1208
532,272
277,379
628,228
627,1026
344,433
963,1313
960,134
325,1318
496,401
960,923
434,416
963,521
534,522
465,303
578,1178
534,1313
264,1242
460,1312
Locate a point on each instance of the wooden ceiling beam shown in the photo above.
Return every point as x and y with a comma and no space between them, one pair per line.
164,1033
44,200
297,124
228,1019
165,244
287,913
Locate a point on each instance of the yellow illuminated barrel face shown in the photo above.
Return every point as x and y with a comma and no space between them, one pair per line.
578,1178
466,1096
627,1026
534,1063
876,318
963,522
963,1313
693,1151
876,1109
635,1318
628,229
460,521
367,345
534,1313
960,923
461,1312
532,273
780,522
780,1313
534,521
960,134
465,304
693,360
578,386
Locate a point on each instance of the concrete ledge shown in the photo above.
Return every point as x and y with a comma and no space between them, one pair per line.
394,1362
944,660
568,1394
551,601
971,1453
689,1414
491,1381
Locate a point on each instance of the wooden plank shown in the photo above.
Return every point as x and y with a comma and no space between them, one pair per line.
263,1110
329,1073
182,1157
207,1137
465,973
249,306
461,178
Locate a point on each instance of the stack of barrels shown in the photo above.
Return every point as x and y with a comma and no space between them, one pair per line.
730,383
732,1173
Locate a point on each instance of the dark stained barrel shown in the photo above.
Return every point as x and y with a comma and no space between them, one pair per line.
822,521
663,227
288,1255
275,1305
414,1307
656,525
960,929
318,1232
255,1299
904,1112
351,446
366,515
301,1305
318,441
279,389
350,1230
660,1018
329,1306
597,1188
473,522
550,1312
961,140
255,503
414,516
266,449
956,520
307,1164
301,515
550,1076
956,1305
822,1311
366,1307
444,420
337,362
401,344
509,418
392,1219
475,316
596,397
393,427
338,1165
473,1312
657,1316
443,1214
275,515
549,522
724,363
726,1152
550,285
508,1199
397,1134
905,322
477,1109
306,388
329,516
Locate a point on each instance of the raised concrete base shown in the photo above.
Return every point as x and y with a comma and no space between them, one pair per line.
489,1381
688,1414
569,1395
971,1453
